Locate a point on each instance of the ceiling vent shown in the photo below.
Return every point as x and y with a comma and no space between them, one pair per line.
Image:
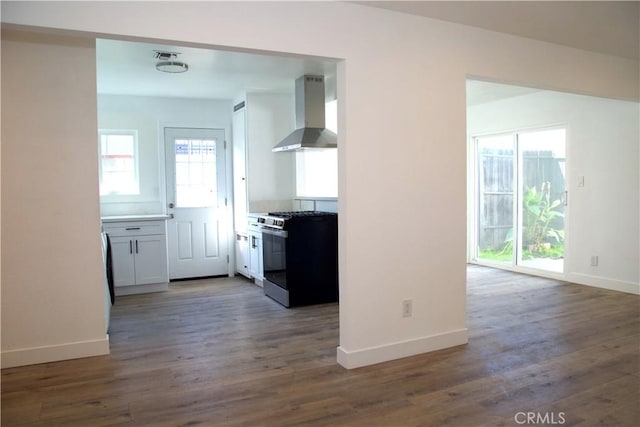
167,62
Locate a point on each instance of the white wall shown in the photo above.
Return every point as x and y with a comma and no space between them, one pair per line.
271,176
401,85
52,280
149,116
603,140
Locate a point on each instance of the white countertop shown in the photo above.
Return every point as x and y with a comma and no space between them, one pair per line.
123,218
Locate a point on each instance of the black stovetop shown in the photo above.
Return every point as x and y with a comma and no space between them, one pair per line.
297,214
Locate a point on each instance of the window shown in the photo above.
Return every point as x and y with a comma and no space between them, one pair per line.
118,162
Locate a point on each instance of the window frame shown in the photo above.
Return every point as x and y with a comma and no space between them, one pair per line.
136,162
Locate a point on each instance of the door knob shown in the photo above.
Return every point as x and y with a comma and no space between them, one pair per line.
171,205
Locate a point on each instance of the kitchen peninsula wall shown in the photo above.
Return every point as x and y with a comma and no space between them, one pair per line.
148,116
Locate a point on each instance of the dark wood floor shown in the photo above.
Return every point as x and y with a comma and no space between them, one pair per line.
219,352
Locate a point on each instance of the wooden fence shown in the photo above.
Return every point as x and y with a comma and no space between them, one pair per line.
496,189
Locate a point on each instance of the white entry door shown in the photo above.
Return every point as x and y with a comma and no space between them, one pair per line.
196,197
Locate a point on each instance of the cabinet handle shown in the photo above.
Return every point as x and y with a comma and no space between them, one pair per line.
132,228
253,242
130,247
136,246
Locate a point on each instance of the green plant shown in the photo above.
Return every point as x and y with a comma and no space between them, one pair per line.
538,232
539,213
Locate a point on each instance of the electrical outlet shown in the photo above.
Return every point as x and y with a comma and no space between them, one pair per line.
407,308
594,260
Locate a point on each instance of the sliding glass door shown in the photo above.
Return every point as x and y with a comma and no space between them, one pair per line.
521,198
496,198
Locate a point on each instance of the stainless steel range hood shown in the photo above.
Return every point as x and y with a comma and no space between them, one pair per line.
310,109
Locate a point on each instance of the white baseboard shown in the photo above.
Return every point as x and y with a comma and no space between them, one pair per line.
604,282
577,278
398,350
141,289
76,350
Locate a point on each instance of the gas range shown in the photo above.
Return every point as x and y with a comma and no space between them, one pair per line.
292,214
278,220
300,256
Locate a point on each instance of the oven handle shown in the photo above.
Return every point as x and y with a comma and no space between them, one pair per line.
273,232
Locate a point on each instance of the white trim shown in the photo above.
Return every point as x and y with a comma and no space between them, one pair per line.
141,289
521,270
398,350
572,278
604,283
75,350
228,152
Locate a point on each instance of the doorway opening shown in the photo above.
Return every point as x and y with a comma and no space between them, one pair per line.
145,101
517,177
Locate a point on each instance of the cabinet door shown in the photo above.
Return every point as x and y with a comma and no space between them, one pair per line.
123,261
150,259
242,254
239,171
255,254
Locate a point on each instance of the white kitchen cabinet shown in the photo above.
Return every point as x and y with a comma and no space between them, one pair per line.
149,251
255,256
123,261
139,256
239,169
242,254
263,181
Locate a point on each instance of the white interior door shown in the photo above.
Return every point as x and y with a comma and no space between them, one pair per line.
196,197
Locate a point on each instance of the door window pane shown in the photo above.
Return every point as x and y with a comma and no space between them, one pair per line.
542,192
196,183
495,198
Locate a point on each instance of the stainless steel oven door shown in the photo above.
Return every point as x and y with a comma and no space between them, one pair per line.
274,256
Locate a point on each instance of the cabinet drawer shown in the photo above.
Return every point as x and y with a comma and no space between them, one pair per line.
134,228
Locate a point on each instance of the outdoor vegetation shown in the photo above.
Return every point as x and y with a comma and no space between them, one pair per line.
542,228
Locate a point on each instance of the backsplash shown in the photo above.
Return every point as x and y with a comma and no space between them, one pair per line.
131,208
324,204
305,204
263,206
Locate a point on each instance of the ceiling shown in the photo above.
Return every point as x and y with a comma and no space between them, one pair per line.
128,68
610,27
125,67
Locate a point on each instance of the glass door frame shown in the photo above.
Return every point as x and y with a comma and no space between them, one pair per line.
473,199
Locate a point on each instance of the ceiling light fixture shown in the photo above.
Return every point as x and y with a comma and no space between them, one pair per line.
167,62
172,66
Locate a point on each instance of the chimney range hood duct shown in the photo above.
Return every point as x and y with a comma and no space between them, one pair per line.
310,109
